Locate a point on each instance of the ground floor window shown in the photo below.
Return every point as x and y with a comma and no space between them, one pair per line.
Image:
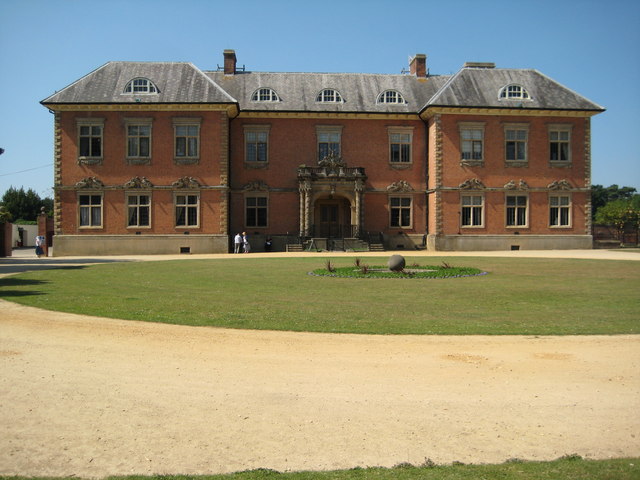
560,211
256,211
516,208
472,210
90,208
187,210
139,210
400,212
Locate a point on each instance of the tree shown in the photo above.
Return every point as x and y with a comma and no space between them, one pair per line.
620,213
23,205
600,195
5,215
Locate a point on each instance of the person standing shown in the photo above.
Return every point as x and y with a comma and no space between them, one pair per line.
39,245
245,242
237,243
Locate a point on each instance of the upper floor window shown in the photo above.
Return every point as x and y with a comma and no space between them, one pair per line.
186,140
265,95
138,140
516,139
391,96
329,95
400,145
256,143
515,92
90,132
140,85
329,140
560,143
472,142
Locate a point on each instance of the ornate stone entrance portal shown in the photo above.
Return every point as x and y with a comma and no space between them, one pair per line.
331,199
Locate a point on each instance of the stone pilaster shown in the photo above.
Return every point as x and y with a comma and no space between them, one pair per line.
438,160
224,173
587,174
57,174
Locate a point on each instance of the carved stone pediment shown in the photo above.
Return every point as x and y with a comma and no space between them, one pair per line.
137,182
332,161
256,185
560,185
512,185
90,182
472,184
186,182
400,186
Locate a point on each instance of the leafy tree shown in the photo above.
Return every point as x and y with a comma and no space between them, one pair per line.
5,215
600,195
24,205
620,213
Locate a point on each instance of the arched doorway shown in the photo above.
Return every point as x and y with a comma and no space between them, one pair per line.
332,217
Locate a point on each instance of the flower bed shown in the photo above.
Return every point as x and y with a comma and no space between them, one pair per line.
413,271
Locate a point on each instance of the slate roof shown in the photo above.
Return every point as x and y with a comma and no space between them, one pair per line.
181,82
298,91
480,87
176,83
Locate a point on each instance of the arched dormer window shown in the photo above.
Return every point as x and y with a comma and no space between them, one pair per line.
392,97
265,95
514,92
140,85
329,95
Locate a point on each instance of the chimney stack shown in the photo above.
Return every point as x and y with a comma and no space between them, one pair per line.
418,65
229,62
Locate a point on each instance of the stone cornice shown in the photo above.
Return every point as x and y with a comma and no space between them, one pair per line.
332,115
519,112
231,109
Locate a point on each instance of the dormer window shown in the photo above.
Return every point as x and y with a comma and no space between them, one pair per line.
140,85
514,92
392,97
265,95
329,95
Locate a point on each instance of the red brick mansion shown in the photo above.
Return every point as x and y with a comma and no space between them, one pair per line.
162,157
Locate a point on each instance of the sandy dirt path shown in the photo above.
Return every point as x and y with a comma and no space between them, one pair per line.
93,397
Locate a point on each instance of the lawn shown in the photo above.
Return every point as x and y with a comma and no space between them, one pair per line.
517,296
569,468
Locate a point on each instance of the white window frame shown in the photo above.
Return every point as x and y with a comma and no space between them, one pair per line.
140,86
329,95
91,208
556,209
90,134
187,208
137,137
521,131
256,135
189,155
250,196
469,203
517,209
329,135
391,97
514,91
560,130
475,138
137,206
401,136
401,207
265,94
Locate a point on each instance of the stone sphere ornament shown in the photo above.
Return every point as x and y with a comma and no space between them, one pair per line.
396,263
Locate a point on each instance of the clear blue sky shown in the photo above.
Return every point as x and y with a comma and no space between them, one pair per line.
590,46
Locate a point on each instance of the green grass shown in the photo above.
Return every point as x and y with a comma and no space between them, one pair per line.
570,468
518,296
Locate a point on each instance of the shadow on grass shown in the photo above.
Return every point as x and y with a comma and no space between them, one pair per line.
11,282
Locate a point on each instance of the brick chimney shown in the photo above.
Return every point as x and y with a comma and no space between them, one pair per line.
229,62
418,65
